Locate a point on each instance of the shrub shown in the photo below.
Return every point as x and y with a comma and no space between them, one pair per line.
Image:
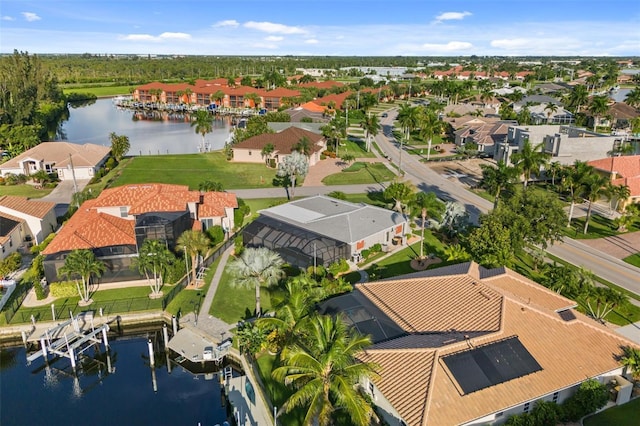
216,234
43,245
175,271
365,253
240,213
39,289
337,195
590,396
238,245
321,271
376,248
10,264
110,164
329,154
338,267
63,289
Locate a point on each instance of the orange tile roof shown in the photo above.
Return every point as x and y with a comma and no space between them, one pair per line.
624,166
313,107
90,228
337,98
417,382
35,208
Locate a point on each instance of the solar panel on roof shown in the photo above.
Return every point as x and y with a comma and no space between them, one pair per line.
491,364
567,315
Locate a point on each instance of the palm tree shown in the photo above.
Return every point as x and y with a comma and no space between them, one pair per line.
595,185
293,165
210,186
82,264
598,107
578,97
554,168
257,100
572,178
325,372
498,179
631,360
193,244
602,300
401,193
529,159
266,152
633,98
292,315
620,193
430,125
154,258
371,125
303,146
550,108
203,123
218,96
427,202
256,267
408,119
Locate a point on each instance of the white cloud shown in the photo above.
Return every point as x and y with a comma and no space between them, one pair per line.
265,45
270,27
448,16
227,23
162,37
30,16
274,38
311,41
7,18
452,46
174,36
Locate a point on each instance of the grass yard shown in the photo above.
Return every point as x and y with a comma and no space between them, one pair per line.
188,299
622,415
277,392
373,198
24,190
261,203
599,227
192,169
356,174
232,304
101,91
356,148
634,260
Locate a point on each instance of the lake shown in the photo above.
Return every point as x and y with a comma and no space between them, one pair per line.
52,394
150,133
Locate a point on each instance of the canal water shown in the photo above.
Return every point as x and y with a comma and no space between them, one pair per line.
51,394
150,133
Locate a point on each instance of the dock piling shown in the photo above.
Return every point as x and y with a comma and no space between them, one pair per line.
152,361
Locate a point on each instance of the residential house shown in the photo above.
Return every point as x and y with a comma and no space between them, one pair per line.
24,222
117,223
621,116
68,160
308,110
465,345
321,230
250,150
565,144
623,170
485,135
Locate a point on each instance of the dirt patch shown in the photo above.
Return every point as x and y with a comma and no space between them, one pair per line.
467,172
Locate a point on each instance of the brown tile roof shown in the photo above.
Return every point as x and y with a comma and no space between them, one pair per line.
7,226
417,382
88,229
87,155
282,141
214,203
35,208
149,197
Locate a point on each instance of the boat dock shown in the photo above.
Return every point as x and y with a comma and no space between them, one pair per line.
197,346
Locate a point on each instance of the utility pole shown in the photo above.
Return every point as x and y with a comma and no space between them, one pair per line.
73,175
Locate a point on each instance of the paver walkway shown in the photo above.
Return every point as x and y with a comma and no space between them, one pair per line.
618,246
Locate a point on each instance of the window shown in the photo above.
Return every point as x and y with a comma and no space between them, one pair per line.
555,397
527,406
372,389
249,152
10,242
500,414
123,211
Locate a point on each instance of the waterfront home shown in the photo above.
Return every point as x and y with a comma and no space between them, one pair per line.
284,143
117,223
24,222
68,160
465,345
322,230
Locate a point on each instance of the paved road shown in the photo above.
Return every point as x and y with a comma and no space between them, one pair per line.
601,264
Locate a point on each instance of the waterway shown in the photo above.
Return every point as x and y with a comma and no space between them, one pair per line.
150,133
51,394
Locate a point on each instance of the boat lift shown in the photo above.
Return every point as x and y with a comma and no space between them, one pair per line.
73,342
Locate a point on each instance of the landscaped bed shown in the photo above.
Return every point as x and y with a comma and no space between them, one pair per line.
622,415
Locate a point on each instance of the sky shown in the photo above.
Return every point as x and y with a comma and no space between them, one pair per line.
327,27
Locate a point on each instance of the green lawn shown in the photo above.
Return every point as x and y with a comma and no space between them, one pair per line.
188,300
599,227
399,263
101,91
622,415
192,169
277,392
261,203
232,304
24,190
356,148
371,173
634,259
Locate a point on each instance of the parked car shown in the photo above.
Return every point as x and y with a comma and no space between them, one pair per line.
384,115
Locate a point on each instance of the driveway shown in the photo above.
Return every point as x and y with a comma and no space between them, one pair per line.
63,193
618,246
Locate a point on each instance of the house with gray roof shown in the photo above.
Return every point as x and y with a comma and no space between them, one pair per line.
325,229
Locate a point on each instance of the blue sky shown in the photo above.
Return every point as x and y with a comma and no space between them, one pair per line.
328,27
